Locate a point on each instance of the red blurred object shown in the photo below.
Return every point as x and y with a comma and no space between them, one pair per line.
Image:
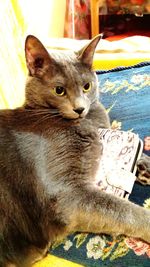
137,2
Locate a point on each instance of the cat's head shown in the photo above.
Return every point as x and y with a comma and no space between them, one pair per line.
61,80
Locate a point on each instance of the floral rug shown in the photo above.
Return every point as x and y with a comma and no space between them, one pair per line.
125,93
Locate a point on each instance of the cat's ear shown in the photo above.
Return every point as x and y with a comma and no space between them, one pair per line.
86,54
37,57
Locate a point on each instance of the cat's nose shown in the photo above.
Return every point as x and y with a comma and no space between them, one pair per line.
79,110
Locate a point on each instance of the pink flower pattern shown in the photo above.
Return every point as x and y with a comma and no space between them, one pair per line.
138,246
147,143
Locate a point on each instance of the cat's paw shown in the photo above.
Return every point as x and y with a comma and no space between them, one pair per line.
143,170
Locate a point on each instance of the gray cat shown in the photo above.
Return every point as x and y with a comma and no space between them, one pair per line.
49,154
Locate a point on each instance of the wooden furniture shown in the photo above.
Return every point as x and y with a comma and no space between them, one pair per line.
118,9
94,17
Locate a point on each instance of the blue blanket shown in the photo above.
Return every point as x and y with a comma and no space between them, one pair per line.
125,92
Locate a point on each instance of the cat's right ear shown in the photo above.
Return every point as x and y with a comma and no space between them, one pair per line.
86,54
37,57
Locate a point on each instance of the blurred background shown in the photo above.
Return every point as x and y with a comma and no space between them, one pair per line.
18,18
48,19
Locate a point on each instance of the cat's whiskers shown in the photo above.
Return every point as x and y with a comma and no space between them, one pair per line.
94,100
37,112
47,116
42,111
44,114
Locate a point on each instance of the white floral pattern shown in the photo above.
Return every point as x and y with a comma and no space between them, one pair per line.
68,244
138,78
95,247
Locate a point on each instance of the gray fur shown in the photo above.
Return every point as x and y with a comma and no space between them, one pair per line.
49,156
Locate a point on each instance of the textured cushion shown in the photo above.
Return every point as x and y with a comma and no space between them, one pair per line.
124,52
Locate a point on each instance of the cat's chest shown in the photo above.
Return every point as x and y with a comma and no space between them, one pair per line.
75,150
57,153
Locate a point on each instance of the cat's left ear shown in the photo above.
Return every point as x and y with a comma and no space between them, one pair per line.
37,57
86,54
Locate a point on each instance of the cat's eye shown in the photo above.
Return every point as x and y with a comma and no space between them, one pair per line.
59,90
87,87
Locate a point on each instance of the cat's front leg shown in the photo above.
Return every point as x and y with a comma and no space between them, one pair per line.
99,212
143,170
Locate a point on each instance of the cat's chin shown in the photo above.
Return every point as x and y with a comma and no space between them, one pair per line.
74,116
71,117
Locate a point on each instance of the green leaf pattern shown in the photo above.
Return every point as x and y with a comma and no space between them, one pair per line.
80,239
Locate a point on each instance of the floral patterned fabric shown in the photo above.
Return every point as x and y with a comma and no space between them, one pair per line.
137,7
125,93
77,23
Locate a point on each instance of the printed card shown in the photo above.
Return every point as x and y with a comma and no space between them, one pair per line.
117,168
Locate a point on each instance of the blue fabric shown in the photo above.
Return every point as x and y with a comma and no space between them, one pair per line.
125,92
128,89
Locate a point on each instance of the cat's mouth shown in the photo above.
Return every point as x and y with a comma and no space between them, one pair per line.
74,115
